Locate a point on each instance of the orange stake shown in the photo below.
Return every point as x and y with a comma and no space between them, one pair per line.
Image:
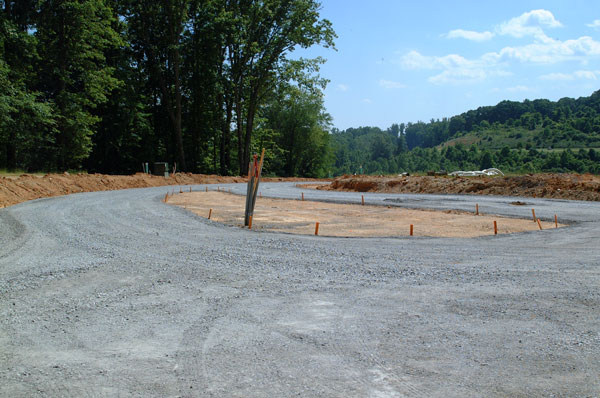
317,229
533,213
260,194
209,213
363,199
411,230
555,221
249,222
539,224
476,209
495,228
166,197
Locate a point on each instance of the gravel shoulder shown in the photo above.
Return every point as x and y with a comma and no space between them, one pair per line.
117,294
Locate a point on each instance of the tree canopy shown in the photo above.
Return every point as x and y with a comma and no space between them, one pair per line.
105,84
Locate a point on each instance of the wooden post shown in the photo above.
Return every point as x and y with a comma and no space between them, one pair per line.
411,230
254,174
476,209
555,221
362,198
260,195
317,228
533,213
539,224
495,228
205,189
190,189
303,196
209,213
166,197
249,222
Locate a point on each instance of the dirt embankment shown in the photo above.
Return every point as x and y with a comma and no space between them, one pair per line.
559,186
28,187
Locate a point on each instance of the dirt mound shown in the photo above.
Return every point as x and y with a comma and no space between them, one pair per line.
560,186
28,187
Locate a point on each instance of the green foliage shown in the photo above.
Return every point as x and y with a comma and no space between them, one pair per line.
73,37
357,151
110,84
298,127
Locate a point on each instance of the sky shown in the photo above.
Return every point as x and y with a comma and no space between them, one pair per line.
400,61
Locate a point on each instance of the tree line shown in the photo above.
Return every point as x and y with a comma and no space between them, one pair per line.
370,150
566,123
105,85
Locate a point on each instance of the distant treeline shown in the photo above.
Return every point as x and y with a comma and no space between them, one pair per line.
528,136
105,85
567,123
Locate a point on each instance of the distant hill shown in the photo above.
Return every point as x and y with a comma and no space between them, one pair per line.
528,136
567,123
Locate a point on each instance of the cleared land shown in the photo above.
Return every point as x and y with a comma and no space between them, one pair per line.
552,186
299,217
117,294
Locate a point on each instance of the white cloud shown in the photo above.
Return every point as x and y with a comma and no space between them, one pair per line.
342,87
459,75
367,100
529,24
518,89
469,35
415,60
595,24
455,68
390,84
549,52
577,75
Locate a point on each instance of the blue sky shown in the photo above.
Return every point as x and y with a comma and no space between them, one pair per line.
404,61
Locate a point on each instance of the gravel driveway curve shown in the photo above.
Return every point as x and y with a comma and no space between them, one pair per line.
115,294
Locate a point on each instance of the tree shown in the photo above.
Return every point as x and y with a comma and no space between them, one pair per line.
486,160
297,120
26,122
263,35
73,38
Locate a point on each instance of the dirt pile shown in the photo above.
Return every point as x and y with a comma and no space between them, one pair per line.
559,186
28,187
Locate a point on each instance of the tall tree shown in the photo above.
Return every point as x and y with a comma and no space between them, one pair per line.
73,37
26,121
266,31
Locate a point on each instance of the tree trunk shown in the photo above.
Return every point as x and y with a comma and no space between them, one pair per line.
225,159
240,129
249,127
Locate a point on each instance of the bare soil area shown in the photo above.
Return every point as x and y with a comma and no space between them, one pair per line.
347,220
19,189
559,186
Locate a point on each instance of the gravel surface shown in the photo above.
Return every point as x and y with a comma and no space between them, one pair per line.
117,294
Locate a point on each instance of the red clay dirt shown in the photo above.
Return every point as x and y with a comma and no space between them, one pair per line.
558,186
19,189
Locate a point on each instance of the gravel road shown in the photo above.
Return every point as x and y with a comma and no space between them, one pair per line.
115,294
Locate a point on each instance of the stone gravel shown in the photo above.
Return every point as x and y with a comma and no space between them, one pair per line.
117,294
